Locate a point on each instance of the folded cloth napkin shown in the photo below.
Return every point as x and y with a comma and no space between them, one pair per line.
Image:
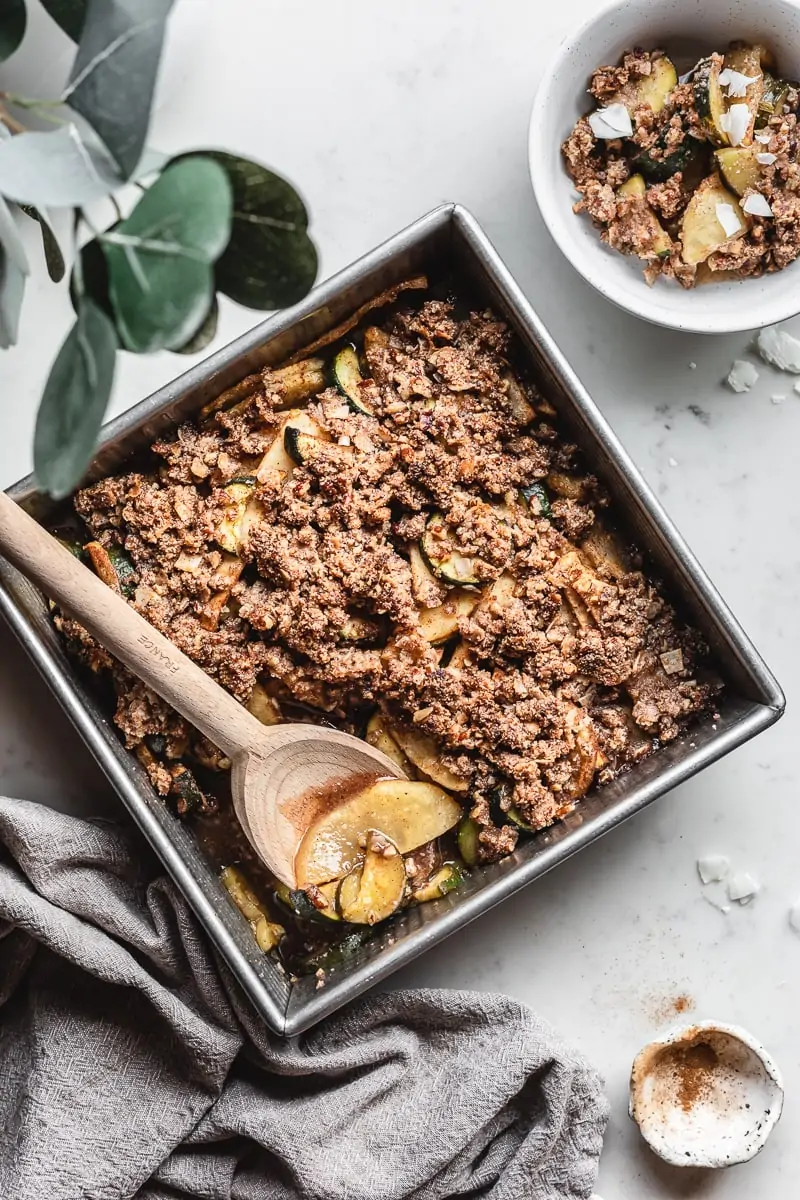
131,1064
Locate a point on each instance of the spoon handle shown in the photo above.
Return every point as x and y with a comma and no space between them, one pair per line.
124,633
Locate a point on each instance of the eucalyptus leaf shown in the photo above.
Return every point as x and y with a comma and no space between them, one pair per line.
114,73
270,261
12,290
53,257
74,402
205,333
10,238
94,278
69,15
13,19
60,167
13,269
160,258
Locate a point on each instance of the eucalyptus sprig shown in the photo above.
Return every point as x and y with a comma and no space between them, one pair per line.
203,223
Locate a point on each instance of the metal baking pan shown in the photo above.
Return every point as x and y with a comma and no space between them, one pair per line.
446,239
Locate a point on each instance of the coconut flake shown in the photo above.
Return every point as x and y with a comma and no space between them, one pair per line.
672,661
726,215
736,83
766,159
713,868
735,122
757,205
612,122
741,376
780,348
764,138
743,887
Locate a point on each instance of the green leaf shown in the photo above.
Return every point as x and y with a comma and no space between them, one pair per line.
270,261
114,73
94,272
205,333
69,15
52,251
160,259
61,167
13,18
12,290
13,269
74,402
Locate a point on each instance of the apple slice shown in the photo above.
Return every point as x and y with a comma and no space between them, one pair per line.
409,813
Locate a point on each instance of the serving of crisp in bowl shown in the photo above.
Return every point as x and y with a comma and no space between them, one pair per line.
663,151
521,623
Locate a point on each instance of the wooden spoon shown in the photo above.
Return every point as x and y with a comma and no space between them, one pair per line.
280,773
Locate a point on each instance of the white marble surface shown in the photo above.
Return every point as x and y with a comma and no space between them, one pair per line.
379,112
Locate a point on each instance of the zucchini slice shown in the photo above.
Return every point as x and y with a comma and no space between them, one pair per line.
701,232
426,757
442,559
347,377
378,735
536,499
709,100
327,957
318,904
184,790
685,158
377,888
113,566
506,816
772,99
658,239
440,624
740,167
652,90
408,813
238,492
445,880
267,933
467,840
276,458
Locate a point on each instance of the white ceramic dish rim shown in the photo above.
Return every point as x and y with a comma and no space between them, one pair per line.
771,1068
728,307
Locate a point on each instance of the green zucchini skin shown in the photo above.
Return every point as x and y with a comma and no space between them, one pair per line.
658,170
185,791
537,499
347,377
467,841
332,956
445,568
125,570
298,445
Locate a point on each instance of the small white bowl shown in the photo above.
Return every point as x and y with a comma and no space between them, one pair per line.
686,29
706,1095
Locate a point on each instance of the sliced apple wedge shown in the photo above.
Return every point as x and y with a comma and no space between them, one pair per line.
379,737
376,889
409,814
425,754
439,624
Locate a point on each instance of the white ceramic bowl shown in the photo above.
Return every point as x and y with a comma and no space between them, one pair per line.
686,29
706,1095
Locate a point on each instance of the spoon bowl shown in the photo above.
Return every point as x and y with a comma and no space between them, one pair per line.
282,776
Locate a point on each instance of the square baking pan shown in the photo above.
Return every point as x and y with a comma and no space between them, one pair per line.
448,241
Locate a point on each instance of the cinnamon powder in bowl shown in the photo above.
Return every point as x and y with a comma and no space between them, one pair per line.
706,1095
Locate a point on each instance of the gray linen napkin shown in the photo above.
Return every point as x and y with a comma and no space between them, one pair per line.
131,1065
